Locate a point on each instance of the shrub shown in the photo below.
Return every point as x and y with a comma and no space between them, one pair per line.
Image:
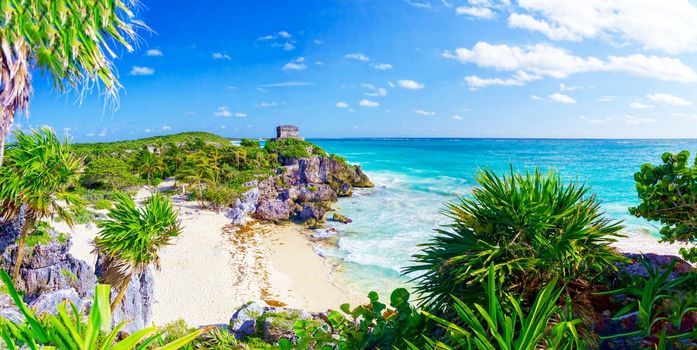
108,173
504,325
221,196
370,326
668,194
69,330
102,204
83,216
290,148
532,227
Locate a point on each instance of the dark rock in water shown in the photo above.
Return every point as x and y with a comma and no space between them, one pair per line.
340,218
50,267
137,302
48,302
271,323
301,182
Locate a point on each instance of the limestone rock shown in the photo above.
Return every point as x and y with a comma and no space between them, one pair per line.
49,302
340,218
273,210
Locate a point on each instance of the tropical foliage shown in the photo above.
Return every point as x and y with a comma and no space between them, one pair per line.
35,183
129,240
71,40
68,330
504,324
534,228
668,194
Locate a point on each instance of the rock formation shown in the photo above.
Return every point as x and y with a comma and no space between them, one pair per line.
302,191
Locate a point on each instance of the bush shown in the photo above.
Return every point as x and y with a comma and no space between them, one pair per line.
532,227
668,194
108,173
83,216
102,204
221,196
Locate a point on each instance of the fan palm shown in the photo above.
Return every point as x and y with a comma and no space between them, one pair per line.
129,240
70,40
197,171
532,227
37,176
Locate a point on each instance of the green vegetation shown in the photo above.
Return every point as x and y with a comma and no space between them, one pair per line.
68,330
71,41
668,194
42,235
108,173
38,174
118,147
533,228
293,148
130,239
102,204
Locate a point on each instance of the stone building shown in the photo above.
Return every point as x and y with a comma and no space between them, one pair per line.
287,132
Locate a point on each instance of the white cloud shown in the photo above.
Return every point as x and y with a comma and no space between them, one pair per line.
221,56
382,66
268,104
518,79
524,21
294,66
564,87
288,47
390,84
423,5
103,132
153,52
630,119
666,25
374,91
639,105
358,56
240,114
223,111
289,84
284,34
368,103
561,98
606,98
668,99
147,130
266,38
458,117
596,120
422,112
342,105
166,128
479,12
136,70
410,84
223,127
537,98
548,61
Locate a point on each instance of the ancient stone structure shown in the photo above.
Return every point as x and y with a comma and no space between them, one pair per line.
287,132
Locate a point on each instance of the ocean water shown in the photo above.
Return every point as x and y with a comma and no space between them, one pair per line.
415,177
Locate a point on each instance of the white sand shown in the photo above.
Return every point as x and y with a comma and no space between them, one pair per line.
212,267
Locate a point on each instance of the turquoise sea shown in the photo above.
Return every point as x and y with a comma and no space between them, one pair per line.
414,177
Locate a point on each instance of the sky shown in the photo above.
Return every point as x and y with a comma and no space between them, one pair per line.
396,68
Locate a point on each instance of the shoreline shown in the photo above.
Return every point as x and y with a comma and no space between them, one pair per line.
216,267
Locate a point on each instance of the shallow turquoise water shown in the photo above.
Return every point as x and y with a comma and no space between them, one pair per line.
414,177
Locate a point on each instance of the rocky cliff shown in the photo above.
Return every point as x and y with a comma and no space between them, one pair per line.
303,191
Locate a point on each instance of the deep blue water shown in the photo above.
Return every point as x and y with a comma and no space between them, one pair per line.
414,177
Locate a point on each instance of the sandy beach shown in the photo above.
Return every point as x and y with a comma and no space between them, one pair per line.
213,267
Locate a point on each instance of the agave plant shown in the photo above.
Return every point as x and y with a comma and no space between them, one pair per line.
37,177
532,228
129,240
506,326
69,39
69,331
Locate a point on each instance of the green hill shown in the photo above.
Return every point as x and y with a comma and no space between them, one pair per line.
120,146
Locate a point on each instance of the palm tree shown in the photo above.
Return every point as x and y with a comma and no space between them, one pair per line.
146,162
131,237
174,154
197,171
39,171
67,39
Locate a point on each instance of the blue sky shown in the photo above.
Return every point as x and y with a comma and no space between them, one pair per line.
396,68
